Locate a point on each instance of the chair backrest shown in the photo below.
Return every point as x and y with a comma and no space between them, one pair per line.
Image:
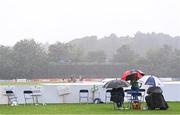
9,92
141,90
83,91
107,95
108,91
135,95
127,90
28,92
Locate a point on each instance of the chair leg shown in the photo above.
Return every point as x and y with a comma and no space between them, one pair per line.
114,105
9,100
25,101
123,105
87,100
33,99
130,104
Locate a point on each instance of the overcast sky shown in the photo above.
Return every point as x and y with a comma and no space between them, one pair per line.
64,20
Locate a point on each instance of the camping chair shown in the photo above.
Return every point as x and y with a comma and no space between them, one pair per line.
135,98
83,94
28,95
107,95
11,96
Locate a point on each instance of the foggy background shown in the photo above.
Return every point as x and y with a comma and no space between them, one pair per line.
88,38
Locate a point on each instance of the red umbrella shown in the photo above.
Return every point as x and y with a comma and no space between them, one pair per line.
132,75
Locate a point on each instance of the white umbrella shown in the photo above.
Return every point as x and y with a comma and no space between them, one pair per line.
150,80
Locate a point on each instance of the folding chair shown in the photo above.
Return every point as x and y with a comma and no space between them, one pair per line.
134,97
83,94
11,96
28,95
107,95
142,91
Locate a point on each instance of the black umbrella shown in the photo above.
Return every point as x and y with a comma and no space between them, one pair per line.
116,84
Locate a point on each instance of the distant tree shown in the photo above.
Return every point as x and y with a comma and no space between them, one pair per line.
77,54
59,52
96,56
6,62
160,61
28,56
125,55
175,64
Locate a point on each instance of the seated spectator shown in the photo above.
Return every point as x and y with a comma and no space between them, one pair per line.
155,99
117,96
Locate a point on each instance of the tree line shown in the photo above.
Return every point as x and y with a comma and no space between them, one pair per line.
29,59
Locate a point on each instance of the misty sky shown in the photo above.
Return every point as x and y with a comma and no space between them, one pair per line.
64,20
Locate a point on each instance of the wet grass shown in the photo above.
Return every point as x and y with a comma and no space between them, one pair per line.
95,109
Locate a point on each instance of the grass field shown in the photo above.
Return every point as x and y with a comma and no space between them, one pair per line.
95,109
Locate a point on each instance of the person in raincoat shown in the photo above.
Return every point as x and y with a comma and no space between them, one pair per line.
135,86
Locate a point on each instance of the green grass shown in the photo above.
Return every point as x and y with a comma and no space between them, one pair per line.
103,109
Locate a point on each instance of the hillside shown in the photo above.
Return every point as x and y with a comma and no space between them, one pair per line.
140,43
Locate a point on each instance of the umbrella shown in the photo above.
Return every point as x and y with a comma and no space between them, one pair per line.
150,80
116,84
132,75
